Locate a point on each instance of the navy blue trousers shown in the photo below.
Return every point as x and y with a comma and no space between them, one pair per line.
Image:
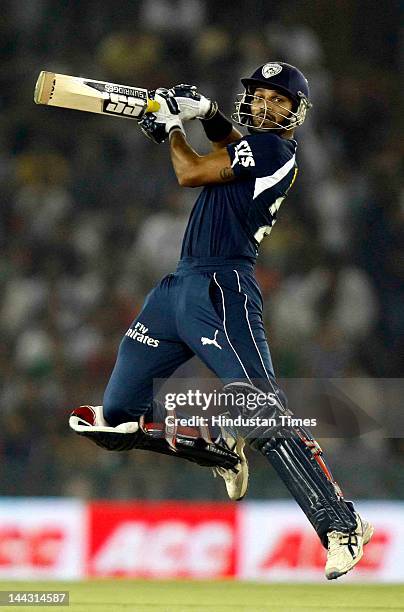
211,308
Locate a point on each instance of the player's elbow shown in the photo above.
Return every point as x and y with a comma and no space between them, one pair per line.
188,182
188,179
192,173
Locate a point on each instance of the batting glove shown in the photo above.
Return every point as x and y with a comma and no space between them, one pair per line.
157,126
192,104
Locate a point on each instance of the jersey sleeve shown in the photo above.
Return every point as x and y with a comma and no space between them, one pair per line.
259,155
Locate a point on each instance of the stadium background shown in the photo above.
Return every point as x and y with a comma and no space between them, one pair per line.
91,217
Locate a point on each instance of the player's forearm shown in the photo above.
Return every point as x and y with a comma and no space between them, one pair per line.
195,170
184,159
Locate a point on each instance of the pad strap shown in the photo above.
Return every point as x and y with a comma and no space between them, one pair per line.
188,445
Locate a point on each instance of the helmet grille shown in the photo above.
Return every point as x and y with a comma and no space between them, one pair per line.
290,118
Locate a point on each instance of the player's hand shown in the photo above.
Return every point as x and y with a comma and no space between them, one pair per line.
157,126
192,104
154,130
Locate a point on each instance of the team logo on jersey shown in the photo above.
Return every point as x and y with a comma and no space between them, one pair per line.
139,333
211,341
270,70
243,155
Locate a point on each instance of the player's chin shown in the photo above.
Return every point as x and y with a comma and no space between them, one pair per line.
265,124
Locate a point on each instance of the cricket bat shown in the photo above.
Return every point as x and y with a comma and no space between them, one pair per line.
93,96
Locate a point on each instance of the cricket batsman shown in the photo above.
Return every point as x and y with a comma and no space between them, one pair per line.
211,306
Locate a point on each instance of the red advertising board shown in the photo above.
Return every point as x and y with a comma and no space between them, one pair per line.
165,540
266,541
276,543
42,538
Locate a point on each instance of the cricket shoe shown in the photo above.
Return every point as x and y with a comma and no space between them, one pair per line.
236,479
345,550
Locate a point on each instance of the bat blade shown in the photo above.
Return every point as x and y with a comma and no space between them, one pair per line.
92,96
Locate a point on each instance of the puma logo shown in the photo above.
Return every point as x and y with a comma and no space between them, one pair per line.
210,341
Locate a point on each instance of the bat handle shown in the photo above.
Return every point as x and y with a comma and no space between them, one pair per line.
152,106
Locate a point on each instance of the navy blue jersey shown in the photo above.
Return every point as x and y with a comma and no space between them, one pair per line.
230,219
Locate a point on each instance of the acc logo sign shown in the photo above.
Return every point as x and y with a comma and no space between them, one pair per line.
270,70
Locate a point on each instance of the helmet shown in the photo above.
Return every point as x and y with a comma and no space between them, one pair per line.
284,78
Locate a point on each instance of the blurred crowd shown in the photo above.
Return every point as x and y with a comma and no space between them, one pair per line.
91,217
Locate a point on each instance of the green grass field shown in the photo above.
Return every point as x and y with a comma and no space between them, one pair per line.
192,596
